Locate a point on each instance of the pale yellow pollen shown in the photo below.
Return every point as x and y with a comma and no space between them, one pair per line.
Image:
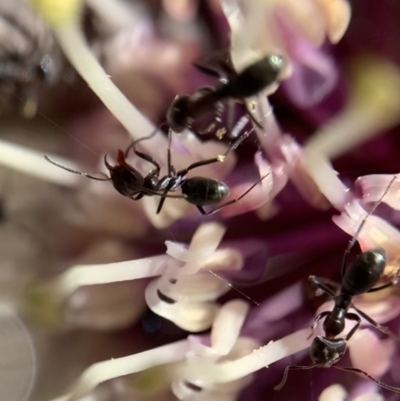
377,235
58,12
378,296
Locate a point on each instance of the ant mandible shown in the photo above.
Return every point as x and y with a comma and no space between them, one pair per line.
234,86
199,191
359,277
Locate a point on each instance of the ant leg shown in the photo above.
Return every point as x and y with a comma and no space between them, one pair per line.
378,382
201,210
218,64
231,202
217,159
134,143
220,158
382,287
317,319
164,196
285,375
160,204
353,316
143,156
148,159
170,168
250,114
231,116
322,284
379,327
364,220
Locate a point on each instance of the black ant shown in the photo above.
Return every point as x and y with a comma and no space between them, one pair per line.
25,77
234,86
359,277
199,191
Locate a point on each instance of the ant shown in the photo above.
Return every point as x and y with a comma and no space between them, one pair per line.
359,277
24,77
233,86
199,191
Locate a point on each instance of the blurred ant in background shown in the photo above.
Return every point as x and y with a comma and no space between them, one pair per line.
232,86
29,57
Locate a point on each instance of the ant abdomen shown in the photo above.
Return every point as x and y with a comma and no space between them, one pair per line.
364,272
202,191
255,78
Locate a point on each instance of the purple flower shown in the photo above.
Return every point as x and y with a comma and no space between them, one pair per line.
115,269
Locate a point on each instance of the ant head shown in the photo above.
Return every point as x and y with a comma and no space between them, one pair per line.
177,115
45,68
120,160
126,180
326,352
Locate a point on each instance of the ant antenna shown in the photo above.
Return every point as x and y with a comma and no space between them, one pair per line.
356,370
169,151
234,288
292,367
343,368
354,239
134,143
76,171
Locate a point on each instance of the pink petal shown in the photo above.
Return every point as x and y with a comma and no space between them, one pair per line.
299,174
314,72
370,354
384,309
257,197
326,178
375,233
373,186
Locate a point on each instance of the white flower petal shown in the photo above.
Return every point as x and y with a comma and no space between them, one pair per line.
369,353
227,325
337,13
335,392
258,359
107,370
193,317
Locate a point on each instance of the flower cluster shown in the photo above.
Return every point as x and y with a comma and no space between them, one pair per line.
214,308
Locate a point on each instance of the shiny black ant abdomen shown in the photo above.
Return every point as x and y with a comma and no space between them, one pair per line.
201,191
236,86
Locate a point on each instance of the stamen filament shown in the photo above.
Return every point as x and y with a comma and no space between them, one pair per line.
205,371
31,162
107,370
82,275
